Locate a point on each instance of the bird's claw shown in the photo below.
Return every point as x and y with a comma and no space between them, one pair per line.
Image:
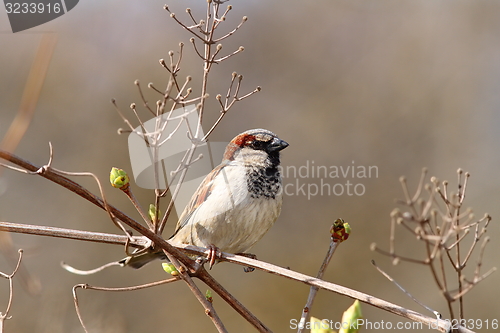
248,269
213,254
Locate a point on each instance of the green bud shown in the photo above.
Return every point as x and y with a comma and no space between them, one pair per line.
152,212
208,296
351,316
347,228
118,178
170,268
318,326
340,230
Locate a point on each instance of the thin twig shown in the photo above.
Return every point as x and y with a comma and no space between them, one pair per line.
231,300
306,311
208,306
86,286
4,316
243,20
404,290
76,271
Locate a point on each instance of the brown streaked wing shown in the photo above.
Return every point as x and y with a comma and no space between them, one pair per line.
199,197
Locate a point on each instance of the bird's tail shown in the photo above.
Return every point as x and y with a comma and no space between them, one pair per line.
141,258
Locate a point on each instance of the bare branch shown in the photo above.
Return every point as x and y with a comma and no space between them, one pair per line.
192,40
240,49
188,28
405,291
86,286
314,290
243,20
441,239
97,237
4,316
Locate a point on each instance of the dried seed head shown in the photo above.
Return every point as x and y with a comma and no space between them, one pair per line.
407,216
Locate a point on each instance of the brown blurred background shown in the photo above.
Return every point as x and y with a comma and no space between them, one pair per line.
399,85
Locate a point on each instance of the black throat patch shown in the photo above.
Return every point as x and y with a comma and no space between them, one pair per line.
263,182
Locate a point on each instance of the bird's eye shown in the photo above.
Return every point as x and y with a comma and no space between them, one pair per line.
257,144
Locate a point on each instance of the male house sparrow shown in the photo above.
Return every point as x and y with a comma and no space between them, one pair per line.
237,202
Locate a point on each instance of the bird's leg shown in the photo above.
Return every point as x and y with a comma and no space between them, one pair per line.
248,255
213,254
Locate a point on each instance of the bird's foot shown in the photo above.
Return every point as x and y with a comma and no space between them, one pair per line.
251,256
213,254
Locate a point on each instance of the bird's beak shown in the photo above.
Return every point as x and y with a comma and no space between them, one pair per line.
277,145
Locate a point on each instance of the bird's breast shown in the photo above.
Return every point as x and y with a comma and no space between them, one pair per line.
241,208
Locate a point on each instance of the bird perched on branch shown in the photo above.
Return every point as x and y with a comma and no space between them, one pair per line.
236,203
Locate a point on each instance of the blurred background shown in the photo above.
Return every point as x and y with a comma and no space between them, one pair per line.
398,85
